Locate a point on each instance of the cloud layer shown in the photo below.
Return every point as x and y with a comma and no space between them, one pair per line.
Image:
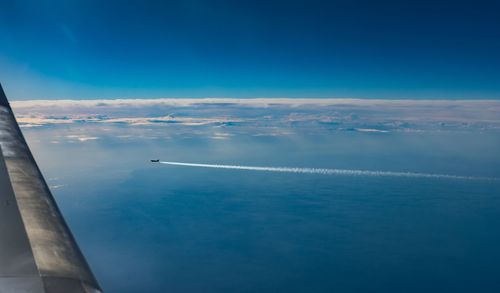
370,116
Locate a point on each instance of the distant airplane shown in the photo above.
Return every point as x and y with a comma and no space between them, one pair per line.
38,253
155,161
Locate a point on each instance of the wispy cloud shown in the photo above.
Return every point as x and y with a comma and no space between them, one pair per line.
44,120
81,137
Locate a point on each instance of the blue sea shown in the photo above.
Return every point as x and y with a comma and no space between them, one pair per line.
150,227
147,227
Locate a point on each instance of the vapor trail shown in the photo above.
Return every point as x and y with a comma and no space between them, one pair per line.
330,171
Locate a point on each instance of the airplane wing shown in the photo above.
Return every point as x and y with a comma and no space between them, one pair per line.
37,250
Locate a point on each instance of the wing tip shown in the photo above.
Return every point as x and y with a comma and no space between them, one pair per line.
3,99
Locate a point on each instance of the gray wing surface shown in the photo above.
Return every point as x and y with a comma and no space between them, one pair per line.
37,250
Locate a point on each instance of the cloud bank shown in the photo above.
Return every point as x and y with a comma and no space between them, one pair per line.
367,116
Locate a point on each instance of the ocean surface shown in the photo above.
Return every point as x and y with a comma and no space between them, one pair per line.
149,227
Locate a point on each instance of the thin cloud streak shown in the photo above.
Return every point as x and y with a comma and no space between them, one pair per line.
322,171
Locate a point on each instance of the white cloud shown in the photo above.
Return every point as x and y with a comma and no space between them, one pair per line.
370,130
81,137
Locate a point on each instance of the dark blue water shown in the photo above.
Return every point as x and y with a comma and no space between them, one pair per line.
155,228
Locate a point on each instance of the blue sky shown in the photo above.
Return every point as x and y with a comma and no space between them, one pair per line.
195,48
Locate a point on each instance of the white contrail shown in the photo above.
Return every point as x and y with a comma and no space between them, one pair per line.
330,171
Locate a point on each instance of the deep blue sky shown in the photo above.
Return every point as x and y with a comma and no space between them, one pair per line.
196,48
